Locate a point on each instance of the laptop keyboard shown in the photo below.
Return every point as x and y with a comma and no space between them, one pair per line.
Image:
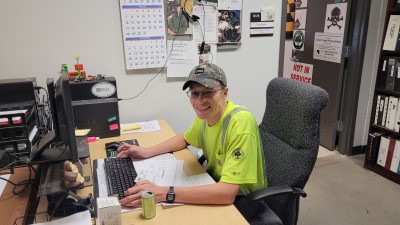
121,175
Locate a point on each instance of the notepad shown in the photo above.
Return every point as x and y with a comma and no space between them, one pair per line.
131,126
82,132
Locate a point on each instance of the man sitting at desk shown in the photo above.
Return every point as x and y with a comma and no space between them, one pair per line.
237,165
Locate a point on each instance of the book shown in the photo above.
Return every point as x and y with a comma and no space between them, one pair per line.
374,139
378,101
396,157
391,112
391,71
383,73
391,33
380,114
383,149
390,151
384,114
397,76
397,119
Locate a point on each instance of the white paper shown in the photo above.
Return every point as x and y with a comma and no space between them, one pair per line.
268,13
230,4
160,172
3,183
196,180
144,127
301,19
182,58
81,218
206,25
209,53
328,47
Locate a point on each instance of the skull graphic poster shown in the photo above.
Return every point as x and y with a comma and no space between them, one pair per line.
335,18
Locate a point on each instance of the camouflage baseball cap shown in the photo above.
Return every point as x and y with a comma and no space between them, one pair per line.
206,74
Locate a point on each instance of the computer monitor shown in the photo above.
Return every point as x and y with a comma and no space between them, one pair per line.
60,143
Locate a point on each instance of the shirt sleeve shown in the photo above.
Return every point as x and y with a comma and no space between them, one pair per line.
240,165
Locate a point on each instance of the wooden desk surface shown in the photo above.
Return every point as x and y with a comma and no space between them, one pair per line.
14,206
186,214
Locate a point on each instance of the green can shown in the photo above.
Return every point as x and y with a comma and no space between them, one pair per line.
148,205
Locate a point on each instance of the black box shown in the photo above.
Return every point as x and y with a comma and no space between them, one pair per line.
95,107
100,115
96,89
18,90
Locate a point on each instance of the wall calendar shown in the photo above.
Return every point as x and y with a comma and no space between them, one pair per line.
143,29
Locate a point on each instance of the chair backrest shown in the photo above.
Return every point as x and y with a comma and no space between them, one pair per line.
290,132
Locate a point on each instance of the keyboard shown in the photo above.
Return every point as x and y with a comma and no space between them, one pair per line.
121,175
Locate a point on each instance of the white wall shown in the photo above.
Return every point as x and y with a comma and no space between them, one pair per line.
370,67
38,36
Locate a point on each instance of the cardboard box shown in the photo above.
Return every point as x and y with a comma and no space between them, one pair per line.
108,211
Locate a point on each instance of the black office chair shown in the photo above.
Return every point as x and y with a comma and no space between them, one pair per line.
290,132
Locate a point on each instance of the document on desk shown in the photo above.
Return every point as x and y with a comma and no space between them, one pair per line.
3,183
144,127
81,218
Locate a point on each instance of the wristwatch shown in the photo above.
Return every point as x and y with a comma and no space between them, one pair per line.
171,195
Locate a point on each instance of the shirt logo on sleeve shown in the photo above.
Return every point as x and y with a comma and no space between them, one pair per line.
238,154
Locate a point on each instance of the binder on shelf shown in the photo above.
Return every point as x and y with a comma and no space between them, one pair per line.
391,71
378,101
396,157
397,76
380,114
390,151
384,114
392,33
374,140
391,112
383,149
383,73
397,118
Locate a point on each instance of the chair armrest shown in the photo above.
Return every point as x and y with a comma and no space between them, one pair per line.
275,191
248,205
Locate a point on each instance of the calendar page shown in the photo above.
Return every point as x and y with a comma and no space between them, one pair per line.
143,28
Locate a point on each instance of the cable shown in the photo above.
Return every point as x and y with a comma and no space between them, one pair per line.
24,183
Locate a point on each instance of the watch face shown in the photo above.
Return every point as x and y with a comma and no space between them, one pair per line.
170,197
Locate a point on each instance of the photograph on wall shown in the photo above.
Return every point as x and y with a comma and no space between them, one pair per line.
177,23
301,3
229,26
209,54
335,18
300,19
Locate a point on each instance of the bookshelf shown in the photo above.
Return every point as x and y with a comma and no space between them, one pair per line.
386,98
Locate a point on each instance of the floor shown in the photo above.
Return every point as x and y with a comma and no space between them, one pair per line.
340,191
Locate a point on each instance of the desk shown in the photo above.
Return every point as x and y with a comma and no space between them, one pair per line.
14,206
186,214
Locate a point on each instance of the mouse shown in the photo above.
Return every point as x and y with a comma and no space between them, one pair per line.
113,146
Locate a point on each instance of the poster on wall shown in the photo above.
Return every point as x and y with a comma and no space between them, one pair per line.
328,46
301,71
335,18
301,3
300,19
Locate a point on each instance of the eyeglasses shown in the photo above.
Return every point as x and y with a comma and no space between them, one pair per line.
205,94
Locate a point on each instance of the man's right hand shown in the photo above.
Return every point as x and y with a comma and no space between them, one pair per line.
132,151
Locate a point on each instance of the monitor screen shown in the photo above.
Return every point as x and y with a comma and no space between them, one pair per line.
65,116
60,143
